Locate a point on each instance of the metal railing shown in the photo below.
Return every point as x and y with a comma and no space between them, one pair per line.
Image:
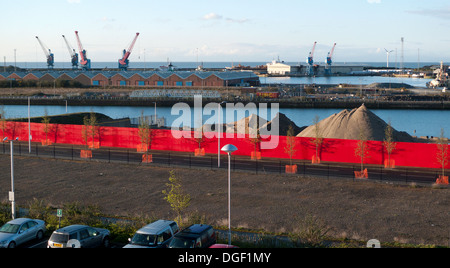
400,175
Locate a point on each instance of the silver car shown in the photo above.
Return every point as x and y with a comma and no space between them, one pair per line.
154,235
19,231
79,236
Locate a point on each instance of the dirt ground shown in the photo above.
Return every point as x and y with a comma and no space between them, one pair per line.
274,202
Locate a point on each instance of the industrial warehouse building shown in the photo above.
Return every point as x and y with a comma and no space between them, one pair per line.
277,68
144,79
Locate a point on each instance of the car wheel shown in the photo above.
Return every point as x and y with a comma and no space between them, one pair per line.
106,242
12,244
39,235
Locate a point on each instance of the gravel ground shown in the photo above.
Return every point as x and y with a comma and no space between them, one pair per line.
273,202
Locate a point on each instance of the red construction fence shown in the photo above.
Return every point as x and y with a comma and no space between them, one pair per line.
331,150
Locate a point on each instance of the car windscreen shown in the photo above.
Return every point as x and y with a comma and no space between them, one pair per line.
59,238
181,242
10,228
144,240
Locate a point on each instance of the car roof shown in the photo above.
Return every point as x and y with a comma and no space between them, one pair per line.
70,228
197,228
155,227
194,230
19,221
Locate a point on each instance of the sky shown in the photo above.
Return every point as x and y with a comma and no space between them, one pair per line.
228,31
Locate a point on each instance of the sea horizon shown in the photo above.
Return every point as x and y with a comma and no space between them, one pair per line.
207,64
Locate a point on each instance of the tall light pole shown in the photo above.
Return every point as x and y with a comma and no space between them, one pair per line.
219,129
155,114
229,149
29,127
11,194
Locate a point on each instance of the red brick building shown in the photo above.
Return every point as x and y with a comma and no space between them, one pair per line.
142,79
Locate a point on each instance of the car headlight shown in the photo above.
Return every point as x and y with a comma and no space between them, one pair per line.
3,243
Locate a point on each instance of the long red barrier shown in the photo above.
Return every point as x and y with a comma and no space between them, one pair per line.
331,150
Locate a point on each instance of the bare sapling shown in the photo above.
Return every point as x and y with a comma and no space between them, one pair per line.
318,139
290,144
46,122
442,152
145,132
389,143
362,148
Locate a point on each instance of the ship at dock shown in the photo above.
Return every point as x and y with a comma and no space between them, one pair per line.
441,80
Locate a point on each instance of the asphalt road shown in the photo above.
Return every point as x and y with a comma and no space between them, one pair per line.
240,163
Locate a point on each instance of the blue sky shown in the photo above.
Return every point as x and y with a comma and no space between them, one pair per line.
230,31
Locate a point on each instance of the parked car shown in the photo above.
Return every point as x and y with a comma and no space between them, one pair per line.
154,235
223,246
79,236
195,236
19,231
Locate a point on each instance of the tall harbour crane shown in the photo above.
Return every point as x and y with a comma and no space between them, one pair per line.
310,68
84,61
48,53
73,54
123,62
329,61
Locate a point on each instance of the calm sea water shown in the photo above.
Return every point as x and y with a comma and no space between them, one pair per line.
351,80
414,122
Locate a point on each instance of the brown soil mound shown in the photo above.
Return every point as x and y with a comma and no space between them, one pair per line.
350,124
284,123
247,125
253,123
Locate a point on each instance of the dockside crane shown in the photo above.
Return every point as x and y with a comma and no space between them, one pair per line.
73,54
329,61
123,62
48,53
84,61
310,68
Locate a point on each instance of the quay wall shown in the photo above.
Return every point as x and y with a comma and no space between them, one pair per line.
283,103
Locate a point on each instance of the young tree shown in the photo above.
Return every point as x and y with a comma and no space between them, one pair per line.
389,143
290,143
90,128
46,122
362,148
145,132
255,139
176,196
318,140
199,137
442,151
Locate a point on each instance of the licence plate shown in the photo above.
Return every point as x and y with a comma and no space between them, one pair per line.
57,245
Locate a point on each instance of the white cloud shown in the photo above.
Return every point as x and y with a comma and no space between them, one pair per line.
106,19
215,16
237,20
374,1
442,13
212,16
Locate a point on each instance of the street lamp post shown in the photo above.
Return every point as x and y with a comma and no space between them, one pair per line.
155,115
229,149
11,194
